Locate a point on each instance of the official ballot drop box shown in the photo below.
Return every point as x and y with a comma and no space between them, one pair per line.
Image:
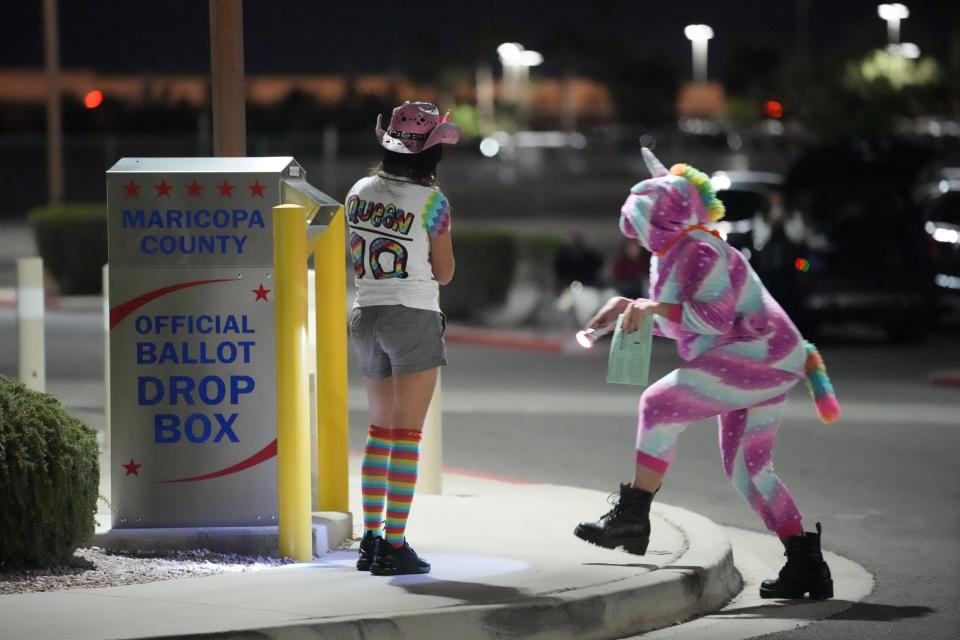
193,414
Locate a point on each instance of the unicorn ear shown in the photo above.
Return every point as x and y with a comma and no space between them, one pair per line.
654,166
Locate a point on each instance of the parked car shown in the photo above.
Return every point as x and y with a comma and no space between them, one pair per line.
939,199
837,239
758,223
746,196
863,255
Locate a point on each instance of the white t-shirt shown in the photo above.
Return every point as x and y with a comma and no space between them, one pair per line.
391,221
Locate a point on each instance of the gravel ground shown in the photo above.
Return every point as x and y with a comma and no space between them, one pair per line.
94,567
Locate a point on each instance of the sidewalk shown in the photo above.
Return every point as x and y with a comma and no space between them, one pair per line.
505,565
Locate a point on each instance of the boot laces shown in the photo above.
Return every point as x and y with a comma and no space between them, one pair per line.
618,506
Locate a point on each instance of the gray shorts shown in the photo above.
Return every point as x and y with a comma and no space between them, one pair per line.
391,339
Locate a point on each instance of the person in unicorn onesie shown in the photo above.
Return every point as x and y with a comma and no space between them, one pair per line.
741,356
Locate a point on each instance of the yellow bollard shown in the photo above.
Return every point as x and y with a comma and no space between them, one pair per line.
330,285
293,405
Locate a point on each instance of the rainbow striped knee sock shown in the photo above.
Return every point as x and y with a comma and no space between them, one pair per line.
373,476
401,482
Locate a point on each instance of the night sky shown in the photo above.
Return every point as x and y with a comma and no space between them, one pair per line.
371,36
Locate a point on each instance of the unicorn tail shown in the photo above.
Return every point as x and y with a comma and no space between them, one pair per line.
820,387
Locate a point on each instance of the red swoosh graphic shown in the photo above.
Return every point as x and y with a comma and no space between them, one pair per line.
124,309
264,454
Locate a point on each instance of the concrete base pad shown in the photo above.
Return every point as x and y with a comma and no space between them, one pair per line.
330,531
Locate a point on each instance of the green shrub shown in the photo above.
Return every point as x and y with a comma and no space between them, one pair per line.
538,251
72,240
485,267
49,478
487,262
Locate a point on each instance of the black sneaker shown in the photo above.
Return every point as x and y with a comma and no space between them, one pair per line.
391,561
368,550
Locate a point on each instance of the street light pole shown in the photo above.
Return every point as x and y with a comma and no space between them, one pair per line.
516,73
228,103
51,47
893,14
699,34
485,98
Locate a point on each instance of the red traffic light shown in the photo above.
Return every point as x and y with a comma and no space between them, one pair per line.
773,109
93,99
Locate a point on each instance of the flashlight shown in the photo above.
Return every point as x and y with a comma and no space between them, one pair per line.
588,337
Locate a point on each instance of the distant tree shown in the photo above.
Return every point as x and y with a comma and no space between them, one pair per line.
864,97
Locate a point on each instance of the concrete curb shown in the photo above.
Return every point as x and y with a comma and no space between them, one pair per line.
759,556
947,377
704,581
8,299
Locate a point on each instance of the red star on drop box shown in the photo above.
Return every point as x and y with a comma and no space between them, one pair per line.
163,189
132,468
261,293
226,189
256,189
194,190
132,189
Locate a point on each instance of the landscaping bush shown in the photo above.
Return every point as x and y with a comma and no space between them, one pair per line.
72,240
49,476
487,262
538,251
485,267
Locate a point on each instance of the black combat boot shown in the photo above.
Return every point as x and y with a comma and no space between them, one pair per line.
627,525
805,571
368,550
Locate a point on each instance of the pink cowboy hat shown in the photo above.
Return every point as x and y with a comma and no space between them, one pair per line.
415,126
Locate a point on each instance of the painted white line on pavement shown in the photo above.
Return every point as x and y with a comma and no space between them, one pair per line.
800,407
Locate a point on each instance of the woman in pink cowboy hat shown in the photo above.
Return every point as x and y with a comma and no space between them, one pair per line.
401,250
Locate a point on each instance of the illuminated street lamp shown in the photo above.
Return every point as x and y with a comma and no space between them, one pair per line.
893,14
698,34
516,63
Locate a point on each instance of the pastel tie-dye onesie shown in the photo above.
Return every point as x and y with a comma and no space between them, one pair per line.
742,354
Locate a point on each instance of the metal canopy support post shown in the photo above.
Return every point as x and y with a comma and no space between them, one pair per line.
293,403
227,78
330,285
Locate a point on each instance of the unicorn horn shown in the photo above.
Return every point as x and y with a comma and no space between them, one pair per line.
654,166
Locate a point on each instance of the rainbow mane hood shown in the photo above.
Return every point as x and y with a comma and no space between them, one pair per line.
662,206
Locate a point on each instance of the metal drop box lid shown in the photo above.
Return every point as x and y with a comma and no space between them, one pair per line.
272,164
